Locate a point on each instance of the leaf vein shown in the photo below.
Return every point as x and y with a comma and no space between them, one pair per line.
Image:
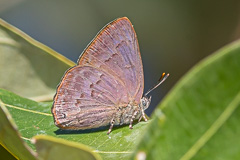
113,152
27,110
213,128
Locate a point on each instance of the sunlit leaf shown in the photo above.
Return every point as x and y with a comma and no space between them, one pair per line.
33,118
50,148
10,138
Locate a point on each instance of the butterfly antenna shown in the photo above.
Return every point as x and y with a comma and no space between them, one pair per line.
160,81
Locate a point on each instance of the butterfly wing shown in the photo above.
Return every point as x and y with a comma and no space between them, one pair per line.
109,74
86,98
115,50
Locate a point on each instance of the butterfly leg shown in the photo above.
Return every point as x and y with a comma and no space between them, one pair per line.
143,115
133,117
140,118
111,126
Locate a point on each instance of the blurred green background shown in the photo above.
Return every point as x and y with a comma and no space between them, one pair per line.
173,35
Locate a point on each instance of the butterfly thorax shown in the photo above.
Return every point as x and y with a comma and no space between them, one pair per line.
125,113
132,111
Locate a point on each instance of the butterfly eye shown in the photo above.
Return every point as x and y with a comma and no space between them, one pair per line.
144,103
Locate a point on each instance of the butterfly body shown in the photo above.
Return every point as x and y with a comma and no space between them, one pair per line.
124,114
106,86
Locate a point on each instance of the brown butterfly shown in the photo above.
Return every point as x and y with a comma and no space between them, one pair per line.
106,86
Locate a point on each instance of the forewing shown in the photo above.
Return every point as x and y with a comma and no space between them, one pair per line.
115,50
87,98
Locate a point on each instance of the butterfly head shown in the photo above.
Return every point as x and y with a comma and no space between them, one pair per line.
145,102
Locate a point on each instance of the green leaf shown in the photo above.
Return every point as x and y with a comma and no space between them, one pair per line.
10,138
49,148
33,118
201,113
5,154
28,67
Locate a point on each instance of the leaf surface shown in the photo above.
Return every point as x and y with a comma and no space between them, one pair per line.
35,118
50,148
199,118
10,137
28,67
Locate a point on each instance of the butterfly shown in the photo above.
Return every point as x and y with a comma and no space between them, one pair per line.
106,86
